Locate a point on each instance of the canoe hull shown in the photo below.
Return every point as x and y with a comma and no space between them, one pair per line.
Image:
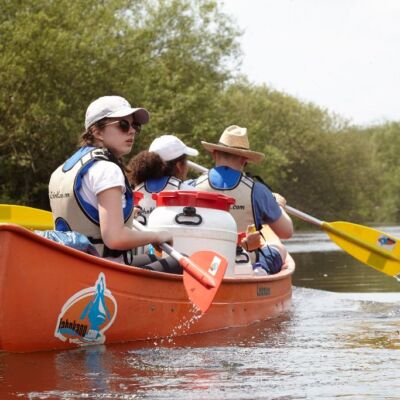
54,297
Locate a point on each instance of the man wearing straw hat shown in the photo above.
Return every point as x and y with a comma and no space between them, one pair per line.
255,204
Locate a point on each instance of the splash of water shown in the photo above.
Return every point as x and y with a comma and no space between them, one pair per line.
181,327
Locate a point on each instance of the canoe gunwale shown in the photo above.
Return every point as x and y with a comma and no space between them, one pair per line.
102,262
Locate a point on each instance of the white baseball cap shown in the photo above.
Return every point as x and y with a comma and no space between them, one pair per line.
169,147
111,107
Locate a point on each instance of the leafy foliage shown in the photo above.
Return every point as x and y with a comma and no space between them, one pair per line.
168,56
178,58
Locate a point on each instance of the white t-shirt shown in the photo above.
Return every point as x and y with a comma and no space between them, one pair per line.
102,175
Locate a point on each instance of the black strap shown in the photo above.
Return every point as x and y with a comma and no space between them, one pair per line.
107,252
257,252
95,241
241,256
128,256
259,179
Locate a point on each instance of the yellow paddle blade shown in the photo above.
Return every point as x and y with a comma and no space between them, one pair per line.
31,218
370,246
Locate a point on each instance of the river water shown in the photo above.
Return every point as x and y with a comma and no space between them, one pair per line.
340,340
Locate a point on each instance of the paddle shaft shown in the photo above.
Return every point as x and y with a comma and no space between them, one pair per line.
189,266
197,167
305,217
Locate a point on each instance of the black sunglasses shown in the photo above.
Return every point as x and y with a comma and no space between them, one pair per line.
125,125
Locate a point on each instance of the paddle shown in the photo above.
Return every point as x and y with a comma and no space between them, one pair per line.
203,272
197,167
31,218
370,246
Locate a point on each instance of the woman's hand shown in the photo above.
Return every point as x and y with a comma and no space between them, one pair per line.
113,231
137,210
163,237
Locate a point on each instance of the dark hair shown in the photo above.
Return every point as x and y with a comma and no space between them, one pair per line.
172,163
87,138
149,165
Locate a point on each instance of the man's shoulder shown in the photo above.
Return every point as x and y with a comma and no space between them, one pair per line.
260,188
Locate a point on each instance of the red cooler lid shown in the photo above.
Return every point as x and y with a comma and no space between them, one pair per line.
137,196
194,199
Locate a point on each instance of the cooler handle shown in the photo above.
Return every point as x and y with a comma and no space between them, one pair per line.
188,212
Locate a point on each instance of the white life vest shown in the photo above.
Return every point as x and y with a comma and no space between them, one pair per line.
242,211
71,212
147,203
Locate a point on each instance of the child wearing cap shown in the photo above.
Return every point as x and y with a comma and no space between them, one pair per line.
89,193
162,167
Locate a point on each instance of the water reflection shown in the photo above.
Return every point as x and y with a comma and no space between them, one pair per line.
122,370
339,272
321,264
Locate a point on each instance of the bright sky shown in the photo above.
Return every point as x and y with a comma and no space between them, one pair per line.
343,55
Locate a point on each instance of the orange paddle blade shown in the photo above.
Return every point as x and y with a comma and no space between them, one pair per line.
212,264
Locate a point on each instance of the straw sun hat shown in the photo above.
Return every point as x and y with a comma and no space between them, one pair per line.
234,140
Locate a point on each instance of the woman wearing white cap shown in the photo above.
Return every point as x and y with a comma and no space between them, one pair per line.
90,194
162,167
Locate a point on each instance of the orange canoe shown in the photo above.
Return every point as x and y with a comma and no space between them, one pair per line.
55,297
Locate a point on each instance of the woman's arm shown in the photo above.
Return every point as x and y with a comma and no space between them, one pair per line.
114,233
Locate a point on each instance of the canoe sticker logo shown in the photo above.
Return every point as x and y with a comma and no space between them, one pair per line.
386,242
87,314
214,266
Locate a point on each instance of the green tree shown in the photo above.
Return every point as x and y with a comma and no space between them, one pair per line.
386,139
177,58
313,158
57,56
